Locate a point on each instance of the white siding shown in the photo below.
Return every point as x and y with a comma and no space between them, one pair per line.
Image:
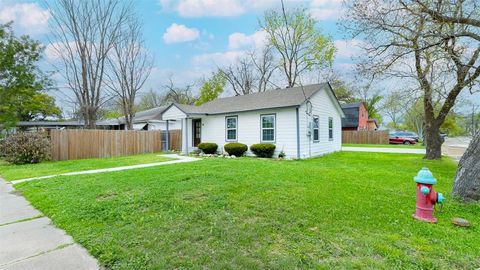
173,113
213,129
323,107
163,125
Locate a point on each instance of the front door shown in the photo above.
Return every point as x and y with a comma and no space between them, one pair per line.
197,131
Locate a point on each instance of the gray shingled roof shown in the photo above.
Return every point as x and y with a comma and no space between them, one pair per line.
143,116
351,105
288,97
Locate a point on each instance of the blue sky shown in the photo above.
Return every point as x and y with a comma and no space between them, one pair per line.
190,38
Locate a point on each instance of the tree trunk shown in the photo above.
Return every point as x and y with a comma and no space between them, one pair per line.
467,180
433,141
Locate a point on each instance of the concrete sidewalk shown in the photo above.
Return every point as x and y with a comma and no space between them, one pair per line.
384,150
28,240
179,159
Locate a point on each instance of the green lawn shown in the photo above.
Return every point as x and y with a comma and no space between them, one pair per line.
417,146
14,172
344,210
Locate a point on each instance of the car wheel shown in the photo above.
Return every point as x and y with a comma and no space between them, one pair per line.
406,142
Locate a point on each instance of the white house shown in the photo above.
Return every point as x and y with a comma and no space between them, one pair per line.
302,121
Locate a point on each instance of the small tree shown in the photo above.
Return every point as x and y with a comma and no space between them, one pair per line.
22,84
300,43
211,88
394,107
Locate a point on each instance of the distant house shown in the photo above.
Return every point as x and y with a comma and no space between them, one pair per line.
145,120
47,125
356,116
301,121
372,124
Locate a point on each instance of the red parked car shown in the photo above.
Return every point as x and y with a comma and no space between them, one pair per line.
396,139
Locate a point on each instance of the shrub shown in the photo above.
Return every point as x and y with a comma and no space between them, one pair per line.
22,148
208,148
263,149
236,149
2,149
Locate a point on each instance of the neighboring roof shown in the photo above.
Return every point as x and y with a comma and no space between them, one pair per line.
49,123
351,105
288,97
143,116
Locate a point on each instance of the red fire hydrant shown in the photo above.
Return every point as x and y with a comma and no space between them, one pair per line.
426,196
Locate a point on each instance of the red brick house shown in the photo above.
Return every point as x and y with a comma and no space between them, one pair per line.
356,116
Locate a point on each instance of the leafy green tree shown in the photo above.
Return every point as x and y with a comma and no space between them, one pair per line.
212,88
372,105
342,92
415,118
301,45
22,84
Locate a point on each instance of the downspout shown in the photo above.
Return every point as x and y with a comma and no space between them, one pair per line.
186,136
167,139
298,133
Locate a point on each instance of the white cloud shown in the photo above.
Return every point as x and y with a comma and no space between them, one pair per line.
256,40
219,8
326,9
29,18
211,60
177,33
347,49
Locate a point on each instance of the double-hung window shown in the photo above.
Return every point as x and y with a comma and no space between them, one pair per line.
316,125
231,128
268,127
330,128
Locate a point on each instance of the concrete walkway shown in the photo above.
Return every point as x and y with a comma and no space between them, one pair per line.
179,159
384,150
28,240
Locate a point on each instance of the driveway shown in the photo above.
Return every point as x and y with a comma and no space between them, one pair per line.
384,150
455,147
28,240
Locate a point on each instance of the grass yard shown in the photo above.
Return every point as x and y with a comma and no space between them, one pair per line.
14,172
344,210
416,146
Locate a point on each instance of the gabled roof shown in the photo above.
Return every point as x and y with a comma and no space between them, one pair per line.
143,116
351,105
288,97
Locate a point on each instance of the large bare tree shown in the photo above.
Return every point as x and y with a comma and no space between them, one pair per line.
130,66
84,33
252,73
434,44
240,76
299,42
179,94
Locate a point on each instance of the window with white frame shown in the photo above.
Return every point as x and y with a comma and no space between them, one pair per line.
268,127
330,128
316,126
231,128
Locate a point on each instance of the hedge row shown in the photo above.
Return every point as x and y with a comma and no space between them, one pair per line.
238,149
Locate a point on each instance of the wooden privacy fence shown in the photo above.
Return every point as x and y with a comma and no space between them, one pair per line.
365,137
83,143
